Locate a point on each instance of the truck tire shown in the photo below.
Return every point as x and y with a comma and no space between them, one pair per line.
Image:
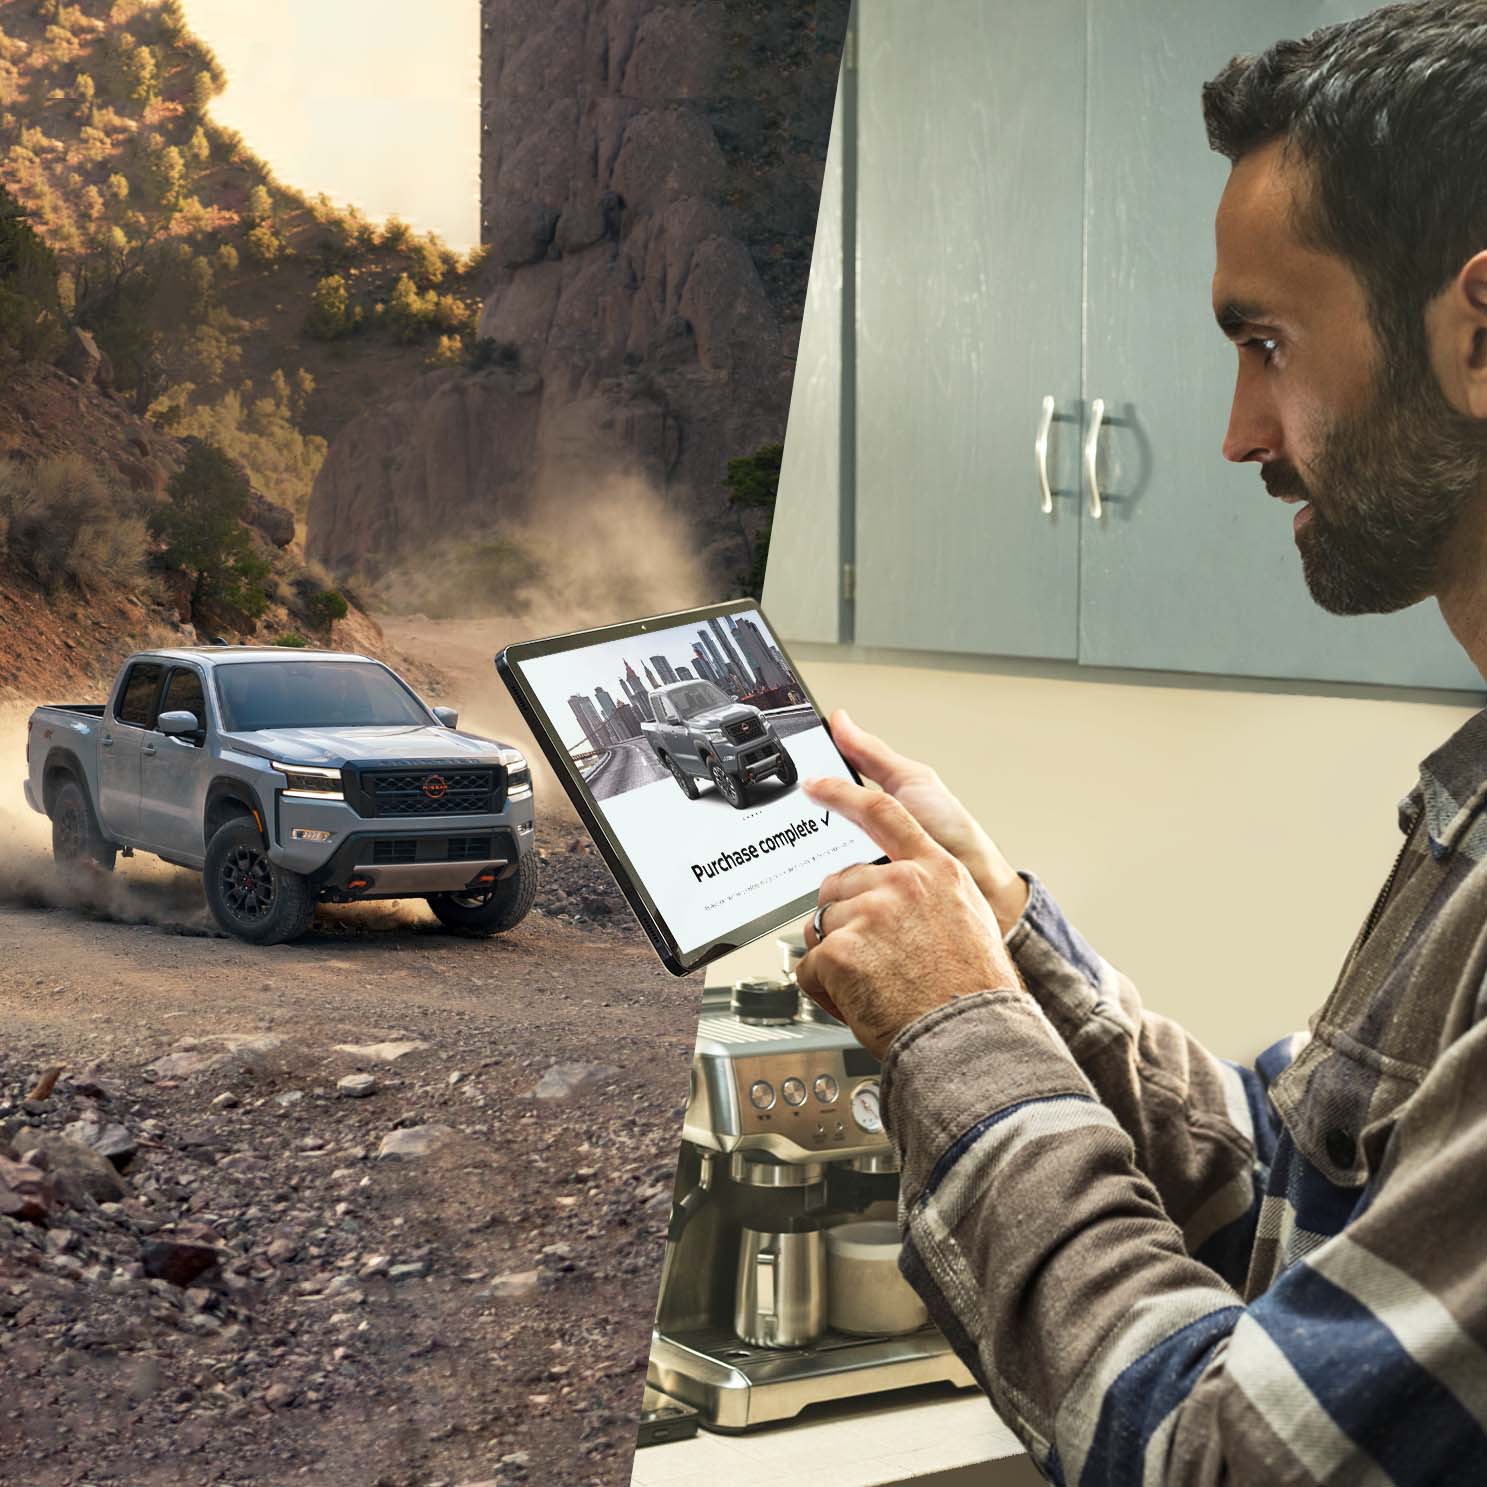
249,896
77,843
730,787
502,907
787,773
687,783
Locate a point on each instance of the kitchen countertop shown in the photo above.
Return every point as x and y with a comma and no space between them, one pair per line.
929,1439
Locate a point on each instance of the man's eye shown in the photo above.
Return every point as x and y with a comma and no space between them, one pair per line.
1267,344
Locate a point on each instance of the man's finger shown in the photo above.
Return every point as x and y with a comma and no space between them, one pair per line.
849,882
870,756
809,981
877,813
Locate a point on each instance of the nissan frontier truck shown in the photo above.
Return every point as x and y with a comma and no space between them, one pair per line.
288,778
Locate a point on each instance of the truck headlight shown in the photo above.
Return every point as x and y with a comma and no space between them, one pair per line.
716,734
310,779
518,773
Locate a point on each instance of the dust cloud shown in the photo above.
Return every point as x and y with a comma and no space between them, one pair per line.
142,891
617,554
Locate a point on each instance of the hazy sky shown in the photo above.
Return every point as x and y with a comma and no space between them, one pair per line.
374,102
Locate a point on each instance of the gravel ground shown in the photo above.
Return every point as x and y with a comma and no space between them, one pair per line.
253,1285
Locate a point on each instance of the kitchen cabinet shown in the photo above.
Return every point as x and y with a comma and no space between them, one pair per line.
1028,204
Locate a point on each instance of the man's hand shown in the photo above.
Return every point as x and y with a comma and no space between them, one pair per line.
901,937
923,794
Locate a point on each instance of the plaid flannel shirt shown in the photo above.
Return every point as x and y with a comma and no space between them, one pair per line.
1167,1269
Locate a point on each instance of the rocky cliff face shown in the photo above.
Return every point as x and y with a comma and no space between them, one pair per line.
651,175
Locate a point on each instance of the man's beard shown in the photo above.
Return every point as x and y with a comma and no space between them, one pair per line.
1386,492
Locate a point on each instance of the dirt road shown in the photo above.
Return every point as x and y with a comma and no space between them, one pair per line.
477,1313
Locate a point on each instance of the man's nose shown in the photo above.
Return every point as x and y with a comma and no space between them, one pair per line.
1254,431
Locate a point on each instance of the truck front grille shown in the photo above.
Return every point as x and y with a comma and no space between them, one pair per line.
429,792
744,729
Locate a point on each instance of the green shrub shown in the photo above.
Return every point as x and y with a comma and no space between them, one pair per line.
227,258
137,74
293,640
331,314
396,234
166,173
67,525
326,607
263,244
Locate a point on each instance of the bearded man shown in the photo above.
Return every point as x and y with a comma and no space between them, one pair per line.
1161,1267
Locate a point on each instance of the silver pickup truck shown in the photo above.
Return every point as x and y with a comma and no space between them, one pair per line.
288,778
700,733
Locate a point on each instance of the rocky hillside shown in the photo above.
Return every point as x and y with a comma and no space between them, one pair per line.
64,638
205,281
651,178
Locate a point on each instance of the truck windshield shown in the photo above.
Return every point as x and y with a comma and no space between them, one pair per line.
313,694
699,697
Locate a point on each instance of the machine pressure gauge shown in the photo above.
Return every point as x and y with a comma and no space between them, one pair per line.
865,1109
794,1091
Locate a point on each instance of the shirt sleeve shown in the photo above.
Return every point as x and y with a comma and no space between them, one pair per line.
1045,1255
1202,1127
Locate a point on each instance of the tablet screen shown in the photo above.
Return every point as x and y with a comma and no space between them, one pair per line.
691,740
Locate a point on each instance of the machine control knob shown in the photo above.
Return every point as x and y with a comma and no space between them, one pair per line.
761,1094
826,1089
764,1001
794,1091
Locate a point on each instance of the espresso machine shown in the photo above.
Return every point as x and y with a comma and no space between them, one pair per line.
782,1140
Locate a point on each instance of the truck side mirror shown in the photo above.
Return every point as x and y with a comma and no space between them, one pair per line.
178,724
448,716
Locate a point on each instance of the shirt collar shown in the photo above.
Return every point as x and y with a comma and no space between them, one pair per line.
1452,788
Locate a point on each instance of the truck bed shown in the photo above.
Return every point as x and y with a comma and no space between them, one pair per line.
87,709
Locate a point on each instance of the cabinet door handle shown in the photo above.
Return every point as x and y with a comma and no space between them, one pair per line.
1040,452
1091,453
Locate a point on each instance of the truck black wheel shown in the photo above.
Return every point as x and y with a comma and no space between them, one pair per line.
501,907
688,784
730,787
249,895
787,774
76,840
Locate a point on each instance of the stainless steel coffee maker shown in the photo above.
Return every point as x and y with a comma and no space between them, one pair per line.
782,1140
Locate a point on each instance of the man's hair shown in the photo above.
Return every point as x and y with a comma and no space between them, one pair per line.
1389,113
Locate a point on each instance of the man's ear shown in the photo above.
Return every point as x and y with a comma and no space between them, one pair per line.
1460,333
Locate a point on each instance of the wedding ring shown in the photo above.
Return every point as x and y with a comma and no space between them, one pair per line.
816,919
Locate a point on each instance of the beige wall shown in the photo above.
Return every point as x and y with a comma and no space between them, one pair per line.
1220,845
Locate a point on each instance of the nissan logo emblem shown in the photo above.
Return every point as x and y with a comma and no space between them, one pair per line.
436,787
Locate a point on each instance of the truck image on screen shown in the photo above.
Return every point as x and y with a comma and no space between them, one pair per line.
699,733
287,779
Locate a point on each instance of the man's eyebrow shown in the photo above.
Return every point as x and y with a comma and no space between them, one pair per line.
1233,315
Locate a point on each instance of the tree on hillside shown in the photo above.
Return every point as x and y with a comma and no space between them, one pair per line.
331,314
201,526
30,308
752,483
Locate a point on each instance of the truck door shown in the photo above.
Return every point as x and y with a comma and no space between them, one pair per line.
131,710
174,772
679,741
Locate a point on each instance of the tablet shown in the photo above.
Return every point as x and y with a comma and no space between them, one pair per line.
682,741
